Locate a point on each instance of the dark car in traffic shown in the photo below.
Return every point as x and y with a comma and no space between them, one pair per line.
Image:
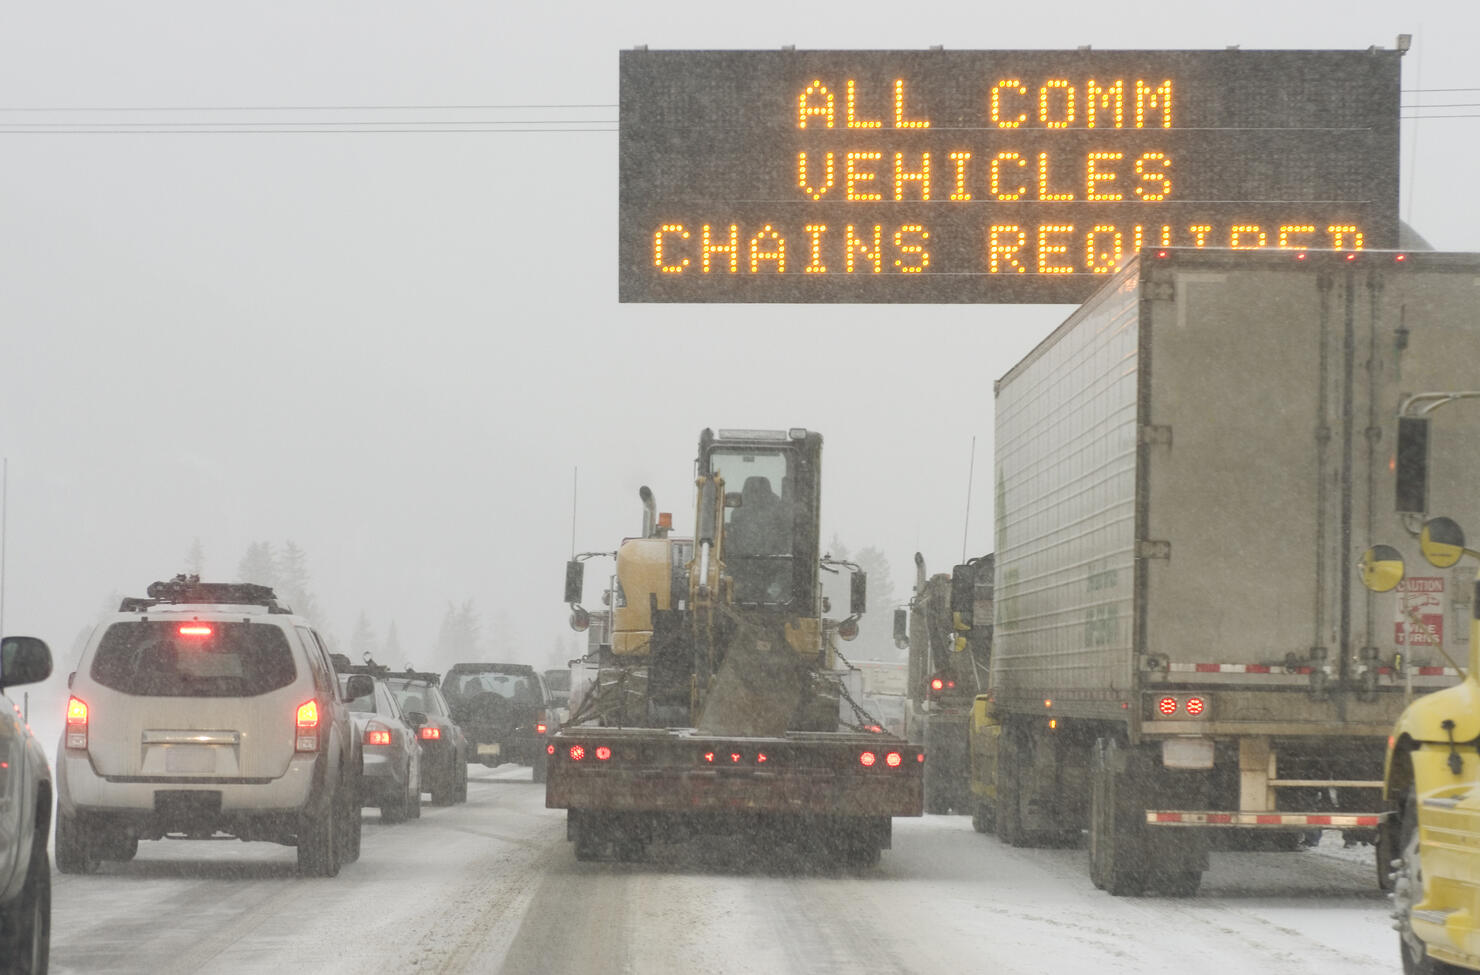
444,748
504,710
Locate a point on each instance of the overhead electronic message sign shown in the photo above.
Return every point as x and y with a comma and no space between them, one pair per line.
988,176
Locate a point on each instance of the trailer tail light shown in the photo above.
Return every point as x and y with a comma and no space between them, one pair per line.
377,734
603,753
430,732
76,723
1180,706
893,759
867,759
307,723
709,758
550,749
1167,705
577,753
760,758
936,684
1195,706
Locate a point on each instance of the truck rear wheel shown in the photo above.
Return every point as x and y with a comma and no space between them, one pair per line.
1117,856
982,819
25,928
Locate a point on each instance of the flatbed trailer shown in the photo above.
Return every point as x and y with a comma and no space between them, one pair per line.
627,786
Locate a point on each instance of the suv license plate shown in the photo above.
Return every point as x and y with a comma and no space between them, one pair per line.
488,749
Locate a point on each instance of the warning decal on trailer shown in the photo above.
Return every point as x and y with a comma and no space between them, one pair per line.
1420,620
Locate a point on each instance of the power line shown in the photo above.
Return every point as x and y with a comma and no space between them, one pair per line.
310,108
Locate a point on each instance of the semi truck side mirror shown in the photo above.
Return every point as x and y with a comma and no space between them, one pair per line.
963,596
1442,542
1411,493
1382,568
857,593
901,628
575,581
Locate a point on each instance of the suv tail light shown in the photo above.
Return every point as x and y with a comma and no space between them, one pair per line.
76,723
377,734
430,732
308,727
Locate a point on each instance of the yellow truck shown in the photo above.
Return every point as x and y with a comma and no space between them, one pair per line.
716,708
1432,774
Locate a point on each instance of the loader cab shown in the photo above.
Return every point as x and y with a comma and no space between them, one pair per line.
772,486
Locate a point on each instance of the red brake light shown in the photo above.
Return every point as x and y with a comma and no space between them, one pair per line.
709,757
937,684
430,732
867,759
308,727
195,629
377,736
1167,705
76,723
735,758
893,759
950,683
920,757
760,758
603,753
577,753
550,749
540,729
1195,705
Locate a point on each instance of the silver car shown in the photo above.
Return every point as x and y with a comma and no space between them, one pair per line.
391,778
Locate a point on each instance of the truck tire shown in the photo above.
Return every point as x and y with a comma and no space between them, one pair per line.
982,819
74,846
353,823
1012,759
1117,854
25,929
444,784
318,846
587,838
1408,892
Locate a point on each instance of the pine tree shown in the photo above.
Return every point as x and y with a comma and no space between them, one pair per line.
293,580
195,559
259,565
391,648
362,641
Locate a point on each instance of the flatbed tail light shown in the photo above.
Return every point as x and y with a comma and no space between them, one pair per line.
603,753
307,722
893,759
430,732
377,734
867,759
550,749
577,753
76,723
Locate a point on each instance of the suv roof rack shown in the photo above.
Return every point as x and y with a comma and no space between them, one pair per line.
414,674
189,589
342,665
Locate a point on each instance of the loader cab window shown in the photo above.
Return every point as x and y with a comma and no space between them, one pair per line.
760,523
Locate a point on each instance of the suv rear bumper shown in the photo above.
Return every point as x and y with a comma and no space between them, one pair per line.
81,790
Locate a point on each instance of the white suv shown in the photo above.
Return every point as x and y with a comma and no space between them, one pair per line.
207,709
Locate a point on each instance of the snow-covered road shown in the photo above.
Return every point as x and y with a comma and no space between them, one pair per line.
492,886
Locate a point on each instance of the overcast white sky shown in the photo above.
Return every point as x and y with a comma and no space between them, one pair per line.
393,349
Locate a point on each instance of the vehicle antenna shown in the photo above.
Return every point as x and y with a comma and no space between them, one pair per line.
575,483
970,472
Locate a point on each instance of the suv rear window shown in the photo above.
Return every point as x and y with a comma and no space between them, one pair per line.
522,690
159,658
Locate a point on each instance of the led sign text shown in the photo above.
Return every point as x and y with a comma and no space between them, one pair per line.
988,176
